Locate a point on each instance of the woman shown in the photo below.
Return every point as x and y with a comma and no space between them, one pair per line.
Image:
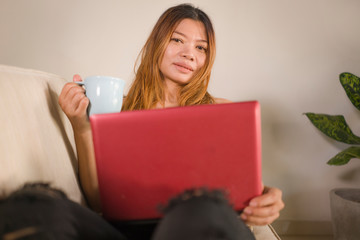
174,70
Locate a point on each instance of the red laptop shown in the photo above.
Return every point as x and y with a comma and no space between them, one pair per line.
146,157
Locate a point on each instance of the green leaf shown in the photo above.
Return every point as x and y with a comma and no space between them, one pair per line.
334,126
345,156
351,84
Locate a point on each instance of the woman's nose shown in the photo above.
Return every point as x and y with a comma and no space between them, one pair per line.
188,53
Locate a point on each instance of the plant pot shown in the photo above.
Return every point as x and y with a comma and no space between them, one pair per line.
345,213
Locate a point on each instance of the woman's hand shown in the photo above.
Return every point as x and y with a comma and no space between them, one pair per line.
74,103
264,209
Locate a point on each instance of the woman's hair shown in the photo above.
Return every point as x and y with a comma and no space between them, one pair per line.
148,89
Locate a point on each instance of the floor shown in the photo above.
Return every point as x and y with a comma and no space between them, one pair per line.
305,237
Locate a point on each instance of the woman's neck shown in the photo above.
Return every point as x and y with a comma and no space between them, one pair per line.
171,95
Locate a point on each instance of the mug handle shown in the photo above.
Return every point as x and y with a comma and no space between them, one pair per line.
88,108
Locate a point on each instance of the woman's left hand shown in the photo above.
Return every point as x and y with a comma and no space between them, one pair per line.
264,209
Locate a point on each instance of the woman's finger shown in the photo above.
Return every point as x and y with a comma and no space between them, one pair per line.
83,104
270,196
77,78
264,211
70,98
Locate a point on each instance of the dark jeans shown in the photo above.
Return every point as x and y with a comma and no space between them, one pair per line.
39,212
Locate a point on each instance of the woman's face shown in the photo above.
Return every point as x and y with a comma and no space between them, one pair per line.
185,53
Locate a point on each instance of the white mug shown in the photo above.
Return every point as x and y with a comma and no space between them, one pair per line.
105,94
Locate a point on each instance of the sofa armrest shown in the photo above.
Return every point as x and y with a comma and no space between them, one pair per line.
36,140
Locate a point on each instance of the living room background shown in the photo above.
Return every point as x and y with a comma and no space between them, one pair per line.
285,54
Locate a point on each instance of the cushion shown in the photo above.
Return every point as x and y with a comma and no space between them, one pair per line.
36,140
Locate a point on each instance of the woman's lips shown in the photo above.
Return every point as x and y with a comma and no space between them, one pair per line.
183,67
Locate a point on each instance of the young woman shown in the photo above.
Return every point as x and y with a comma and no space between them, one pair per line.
174,70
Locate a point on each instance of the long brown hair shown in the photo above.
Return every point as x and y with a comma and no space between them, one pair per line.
148,89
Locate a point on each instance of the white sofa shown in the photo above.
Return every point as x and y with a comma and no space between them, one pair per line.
36,140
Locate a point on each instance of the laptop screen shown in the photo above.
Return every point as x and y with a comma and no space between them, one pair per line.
146,157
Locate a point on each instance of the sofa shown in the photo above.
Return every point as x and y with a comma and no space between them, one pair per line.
36,140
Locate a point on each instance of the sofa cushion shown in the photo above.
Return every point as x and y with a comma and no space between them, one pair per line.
36,140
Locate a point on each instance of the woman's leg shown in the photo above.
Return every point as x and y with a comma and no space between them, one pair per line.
39,212
201,214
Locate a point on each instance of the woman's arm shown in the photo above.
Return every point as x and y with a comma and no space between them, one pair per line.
74,103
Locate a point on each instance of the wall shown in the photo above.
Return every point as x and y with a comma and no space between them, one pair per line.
286,54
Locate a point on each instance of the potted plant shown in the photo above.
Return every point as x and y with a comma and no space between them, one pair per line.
345,202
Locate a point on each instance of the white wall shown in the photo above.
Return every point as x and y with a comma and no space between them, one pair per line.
285,53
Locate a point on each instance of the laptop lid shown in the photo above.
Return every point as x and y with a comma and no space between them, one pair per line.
146,157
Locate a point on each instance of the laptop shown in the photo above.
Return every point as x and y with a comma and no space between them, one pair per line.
146,157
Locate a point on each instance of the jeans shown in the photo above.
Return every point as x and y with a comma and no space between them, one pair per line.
39,212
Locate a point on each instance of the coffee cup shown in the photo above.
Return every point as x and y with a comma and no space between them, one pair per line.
105,94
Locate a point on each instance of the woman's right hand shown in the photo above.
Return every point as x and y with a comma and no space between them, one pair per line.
74,103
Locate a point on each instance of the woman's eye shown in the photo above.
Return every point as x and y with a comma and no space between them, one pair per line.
201,48
176,40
